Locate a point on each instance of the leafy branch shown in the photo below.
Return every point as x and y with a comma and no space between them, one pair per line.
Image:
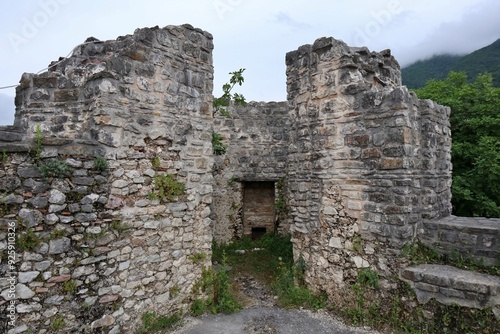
222,102
220,105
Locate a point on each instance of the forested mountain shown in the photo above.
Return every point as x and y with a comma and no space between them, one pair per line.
486,59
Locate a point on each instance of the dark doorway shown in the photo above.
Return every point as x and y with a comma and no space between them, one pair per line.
258,209
258,232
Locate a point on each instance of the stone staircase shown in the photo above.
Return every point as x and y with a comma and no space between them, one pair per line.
477,238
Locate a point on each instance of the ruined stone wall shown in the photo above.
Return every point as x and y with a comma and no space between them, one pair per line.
362,168
109,251
257,137
364,165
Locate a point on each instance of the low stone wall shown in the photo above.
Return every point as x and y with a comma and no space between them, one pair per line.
452,286
92,249
470,237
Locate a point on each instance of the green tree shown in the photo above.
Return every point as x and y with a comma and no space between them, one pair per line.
220,105
475,128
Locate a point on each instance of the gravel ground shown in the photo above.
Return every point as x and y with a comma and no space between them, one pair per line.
267,320
262,316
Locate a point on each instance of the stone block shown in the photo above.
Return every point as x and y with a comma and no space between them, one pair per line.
391,163
59,246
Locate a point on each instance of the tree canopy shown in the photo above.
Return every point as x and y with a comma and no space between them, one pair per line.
475,127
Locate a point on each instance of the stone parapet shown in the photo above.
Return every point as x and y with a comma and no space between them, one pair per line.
451,286
470,237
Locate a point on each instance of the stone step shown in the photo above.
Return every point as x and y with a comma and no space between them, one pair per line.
474,237
450,285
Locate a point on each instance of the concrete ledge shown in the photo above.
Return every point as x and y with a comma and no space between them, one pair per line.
450,285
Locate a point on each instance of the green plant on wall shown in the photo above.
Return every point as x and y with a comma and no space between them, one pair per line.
54,168
217,145
27,239
70,286
57,323
220,105
5,157
167,188
38,142
156,162
100,164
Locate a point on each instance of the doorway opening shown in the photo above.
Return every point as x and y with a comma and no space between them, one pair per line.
258,232
258,209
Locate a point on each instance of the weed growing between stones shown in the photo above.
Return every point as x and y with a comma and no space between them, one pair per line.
155,162
167,188
54,168
174,291
27,238
217,145
5,157
57,323
70,286
119,226
100,164
198,257
56,234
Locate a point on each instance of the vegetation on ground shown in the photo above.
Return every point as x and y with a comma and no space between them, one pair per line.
363,303
154,323
213,291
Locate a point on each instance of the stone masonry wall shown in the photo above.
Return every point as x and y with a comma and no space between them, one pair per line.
362,159
108,250
257,137
362,164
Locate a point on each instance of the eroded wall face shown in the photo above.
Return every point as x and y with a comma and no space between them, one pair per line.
108,250
364,162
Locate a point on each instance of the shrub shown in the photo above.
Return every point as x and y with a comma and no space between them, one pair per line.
167,188
101,164
54,168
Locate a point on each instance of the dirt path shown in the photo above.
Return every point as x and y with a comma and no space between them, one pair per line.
261,315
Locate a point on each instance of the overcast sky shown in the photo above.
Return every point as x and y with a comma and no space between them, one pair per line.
254,34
